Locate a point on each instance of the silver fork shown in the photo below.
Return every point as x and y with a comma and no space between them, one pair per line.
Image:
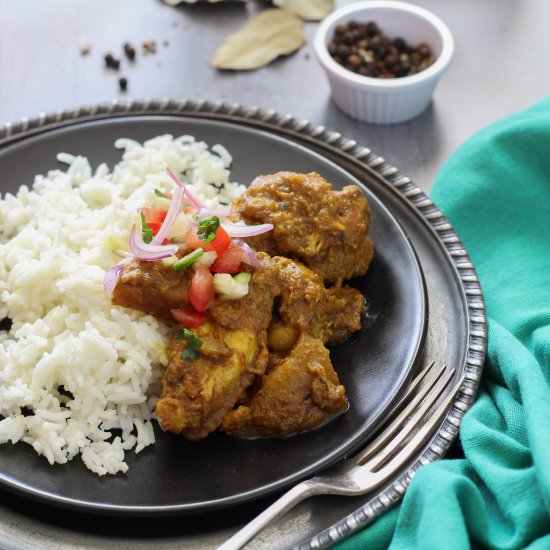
375,464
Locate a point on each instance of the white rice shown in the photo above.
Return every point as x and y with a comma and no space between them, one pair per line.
55,246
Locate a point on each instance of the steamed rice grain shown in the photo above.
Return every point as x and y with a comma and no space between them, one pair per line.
77,375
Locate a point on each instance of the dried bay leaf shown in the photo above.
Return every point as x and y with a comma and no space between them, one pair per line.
310,10
266,36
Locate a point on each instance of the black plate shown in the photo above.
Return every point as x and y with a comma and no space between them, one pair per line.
175,476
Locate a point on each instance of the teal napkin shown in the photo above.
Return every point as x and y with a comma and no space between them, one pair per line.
495,191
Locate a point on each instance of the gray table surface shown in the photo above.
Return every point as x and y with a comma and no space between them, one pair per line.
500,67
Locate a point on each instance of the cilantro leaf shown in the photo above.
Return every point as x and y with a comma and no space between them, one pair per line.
193,340
159,193
146,231
188,260
191,352
207,228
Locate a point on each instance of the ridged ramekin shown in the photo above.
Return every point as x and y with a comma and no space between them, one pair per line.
386,100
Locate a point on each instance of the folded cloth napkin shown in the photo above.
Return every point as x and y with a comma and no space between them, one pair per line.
495,191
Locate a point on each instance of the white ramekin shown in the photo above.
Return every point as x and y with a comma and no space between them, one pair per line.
388,100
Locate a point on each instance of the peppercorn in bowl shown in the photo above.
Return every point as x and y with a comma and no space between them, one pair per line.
383,59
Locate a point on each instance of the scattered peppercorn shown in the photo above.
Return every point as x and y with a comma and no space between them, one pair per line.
129,51
112,62
149,47
85,49
366,50
123,84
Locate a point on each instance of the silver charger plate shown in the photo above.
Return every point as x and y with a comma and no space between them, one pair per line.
455,335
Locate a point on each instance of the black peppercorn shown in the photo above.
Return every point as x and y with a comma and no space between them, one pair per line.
405,67
354,60
391,59
424,50
372,28
112,62
129,51
365,49
357,35
343,50
123,84
348,38
400,44
416,58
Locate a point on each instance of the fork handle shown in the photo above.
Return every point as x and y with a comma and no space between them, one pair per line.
278,508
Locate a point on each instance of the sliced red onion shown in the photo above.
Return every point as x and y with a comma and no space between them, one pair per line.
173,211
242,230
177,181
149,252
250,258
220,212
192,199
111,278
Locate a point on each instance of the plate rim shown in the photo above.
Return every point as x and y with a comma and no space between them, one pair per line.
409,193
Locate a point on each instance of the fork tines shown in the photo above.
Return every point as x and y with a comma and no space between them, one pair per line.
421,395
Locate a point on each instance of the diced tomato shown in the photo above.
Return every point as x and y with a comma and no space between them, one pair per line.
154,218
192,240
189,317
201,292
230,261
219,245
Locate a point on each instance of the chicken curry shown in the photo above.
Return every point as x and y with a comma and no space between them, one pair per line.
256,363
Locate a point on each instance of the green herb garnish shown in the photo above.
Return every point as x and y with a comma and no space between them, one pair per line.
191,352
146,231
188,260
159,193
207,228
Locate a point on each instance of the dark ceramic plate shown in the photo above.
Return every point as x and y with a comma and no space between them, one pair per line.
175,476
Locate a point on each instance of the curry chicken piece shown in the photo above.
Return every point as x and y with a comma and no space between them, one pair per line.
323,228
300,392
197,394
152,287
306,306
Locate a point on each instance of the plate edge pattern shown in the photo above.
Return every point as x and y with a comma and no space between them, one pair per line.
477,326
